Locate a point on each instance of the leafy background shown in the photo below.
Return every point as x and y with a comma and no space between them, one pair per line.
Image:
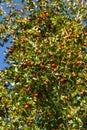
45,85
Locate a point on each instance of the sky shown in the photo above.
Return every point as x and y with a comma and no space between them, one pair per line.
3,49
2,56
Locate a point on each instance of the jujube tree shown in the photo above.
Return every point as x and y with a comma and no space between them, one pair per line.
45,86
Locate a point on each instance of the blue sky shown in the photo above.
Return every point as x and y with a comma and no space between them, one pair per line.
2,56
3,49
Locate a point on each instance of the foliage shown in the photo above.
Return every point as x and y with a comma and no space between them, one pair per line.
45,86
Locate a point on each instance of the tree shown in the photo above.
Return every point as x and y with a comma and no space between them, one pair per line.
45,86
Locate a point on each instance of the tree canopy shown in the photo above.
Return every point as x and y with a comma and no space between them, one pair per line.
45,87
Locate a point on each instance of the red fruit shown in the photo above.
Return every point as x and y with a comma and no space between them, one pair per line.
19,79
54,69
42,17
31,118
82,92
26,105
23,40
64,76
85,33
24,64
85,44
51,60
46,12
68,37
47,80
28,88
37,51
62,44
61,80
0,97
53,65
66,97
10,50
30,63
9,56
42,66
36,95
73,74
78,62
